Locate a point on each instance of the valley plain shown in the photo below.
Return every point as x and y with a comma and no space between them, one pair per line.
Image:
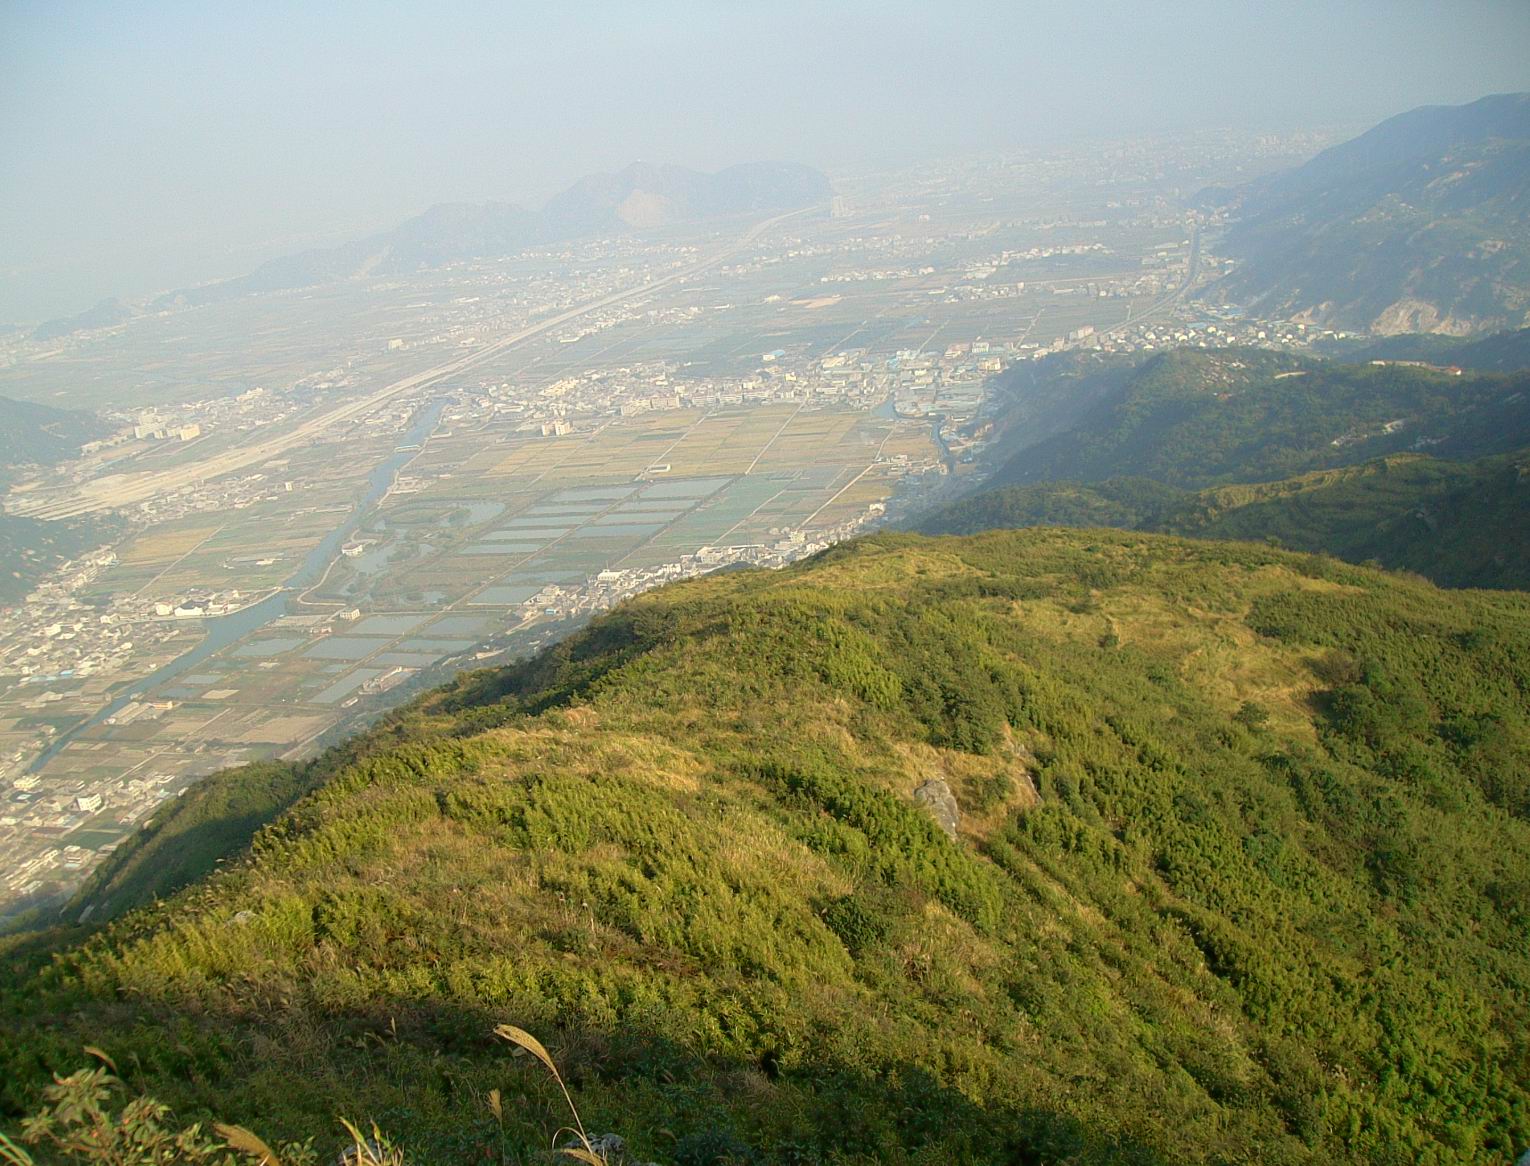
335,496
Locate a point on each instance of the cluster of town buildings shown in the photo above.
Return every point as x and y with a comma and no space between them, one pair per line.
38,810
1191,328
56,635
917,382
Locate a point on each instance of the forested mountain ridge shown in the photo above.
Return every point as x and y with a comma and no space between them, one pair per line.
1201,417
1506,351
1239,871
1411,453
40,435
1461,524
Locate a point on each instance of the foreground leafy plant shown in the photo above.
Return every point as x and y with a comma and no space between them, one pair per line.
80,1123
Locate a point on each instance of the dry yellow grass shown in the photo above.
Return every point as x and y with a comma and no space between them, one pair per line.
1214,651
889,572
164,546
961,770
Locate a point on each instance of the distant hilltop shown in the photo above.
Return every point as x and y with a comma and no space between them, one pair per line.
41,435
645,196
1417,225
641,197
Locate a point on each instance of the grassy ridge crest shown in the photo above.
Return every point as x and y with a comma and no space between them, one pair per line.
1240,865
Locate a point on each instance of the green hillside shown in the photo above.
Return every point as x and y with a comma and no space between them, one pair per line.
31,547
1193,418
1242,873
186,837
1499,352
1127,503
40,435
1462,524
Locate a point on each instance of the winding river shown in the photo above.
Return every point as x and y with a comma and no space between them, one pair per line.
225,630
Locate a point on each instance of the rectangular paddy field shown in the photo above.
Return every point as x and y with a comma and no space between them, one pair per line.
563,509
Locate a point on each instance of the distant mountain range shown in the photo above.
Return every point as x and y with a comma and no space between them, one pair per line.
641,197
1421,224
107,314
644,196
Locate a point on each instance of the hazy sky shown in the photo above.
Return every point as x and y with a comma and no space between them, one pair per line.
155,143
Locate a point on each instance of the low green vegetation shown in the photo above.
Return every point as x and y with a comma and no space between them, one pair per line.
189,835
89,1118
1241,874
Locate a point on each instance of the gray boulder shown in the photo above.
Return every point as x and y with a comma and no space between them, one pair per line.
938,800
